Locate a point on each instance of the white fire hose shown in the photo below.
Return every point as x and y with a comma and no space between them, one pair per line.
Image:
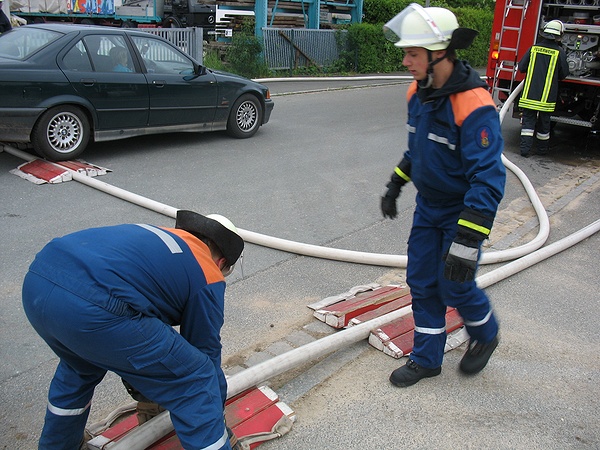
528,254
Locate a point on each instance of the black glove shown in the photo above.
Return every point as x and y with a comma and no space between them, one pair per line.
388,206
388,201
461,259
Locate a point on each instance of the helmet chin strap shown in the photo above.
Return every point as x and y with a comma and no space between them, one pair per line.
426,83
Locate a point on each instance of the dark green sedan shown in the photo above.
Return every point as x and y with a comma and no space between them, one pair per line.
63,85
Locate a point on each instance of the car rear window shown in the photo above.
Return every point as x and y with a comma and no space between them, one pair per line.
22,42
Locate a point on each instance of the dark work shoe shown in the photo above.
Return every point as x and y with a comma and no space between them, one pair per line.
525,154
477,356
411,373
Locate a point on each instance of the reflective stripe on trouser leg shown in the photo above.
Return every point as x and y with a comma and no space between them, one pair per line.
63,428
481,324
528,130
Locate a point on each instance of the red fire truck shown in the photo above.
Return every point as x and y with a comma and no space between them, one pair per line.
516,28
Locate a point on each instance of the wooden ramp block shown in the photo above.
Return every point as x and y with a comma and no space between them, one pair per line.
247,404
389,331
277,418
251,415
39,171
339,314
396,338
382,310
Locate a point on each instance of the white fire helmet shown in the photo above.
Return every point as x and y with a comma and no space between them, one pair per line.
231,227
224,221
553,29
415,26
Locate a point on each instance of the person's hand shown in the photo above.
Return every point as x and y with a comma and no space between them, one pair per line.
461,259
388,201
388,207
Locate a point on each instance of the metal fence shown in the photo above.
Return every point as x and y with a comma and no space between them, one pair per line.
290,48
189,40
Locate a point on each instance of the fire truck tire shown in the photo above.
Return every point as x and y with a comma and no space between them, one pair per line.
171,22
87,22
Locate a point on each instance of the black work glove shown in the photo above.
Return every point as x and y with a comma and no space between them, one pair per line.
461,259
398,179
388,201
462,256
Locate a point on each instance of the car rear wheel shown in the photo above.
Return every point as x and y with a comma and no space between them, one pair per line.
245,117
61,133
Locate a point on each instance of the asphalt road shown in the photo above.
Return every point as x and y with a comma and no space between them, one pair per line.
314,174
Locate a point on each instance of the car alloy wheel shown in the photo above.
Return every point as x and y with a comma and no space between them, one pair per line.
245,117
61,133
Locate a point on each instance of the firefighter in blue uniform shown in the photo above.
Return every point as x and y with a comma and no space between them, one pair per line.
454,160
106,299
545,63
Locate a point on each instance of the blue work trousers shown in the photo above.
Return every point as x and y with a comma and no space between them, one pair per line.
91,340
433,230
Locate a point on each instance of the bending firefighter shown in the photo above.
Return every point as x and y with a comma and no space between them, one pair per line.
545,64
454,160
106,299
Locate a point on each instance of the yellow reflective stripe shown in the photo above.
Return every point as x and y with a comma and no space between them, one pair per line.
537,105
542,104
401,174
550,74
474,226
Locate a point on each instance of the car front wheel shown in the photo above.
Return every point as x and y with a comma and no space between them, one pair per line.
245,117
61,133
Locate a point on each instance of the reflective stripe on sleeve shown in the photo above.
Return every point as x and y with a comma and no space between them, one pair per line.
67,412
164,236
474,226
401,174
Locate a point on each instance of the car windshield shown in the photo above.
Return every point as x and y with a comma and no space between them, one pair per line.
20,43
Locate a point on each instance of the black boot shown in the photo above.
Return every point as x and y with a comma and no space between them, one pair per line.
525,145
477,356
411,373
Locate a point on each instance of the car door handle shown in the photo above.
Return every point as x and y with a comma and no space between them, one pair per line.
88,81
159,83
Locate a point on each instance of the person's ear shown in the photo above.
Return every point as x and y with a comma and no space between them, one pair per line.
221,263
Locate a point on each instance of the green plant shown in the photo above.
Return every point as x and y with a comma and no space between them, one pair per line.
244,55
211,59
368,51
365,50
480,20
